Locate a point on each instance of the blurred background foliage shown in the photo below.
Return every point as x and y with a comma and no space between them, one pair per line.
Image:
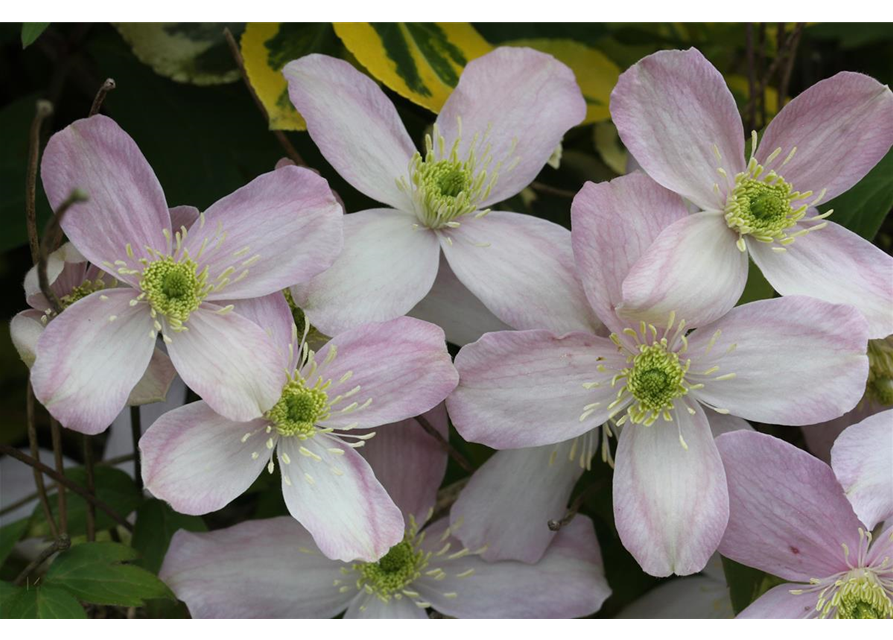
182,96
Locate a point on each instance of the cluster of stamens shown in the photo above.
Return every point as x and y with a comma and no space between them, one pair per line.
82,291
174,289
299,408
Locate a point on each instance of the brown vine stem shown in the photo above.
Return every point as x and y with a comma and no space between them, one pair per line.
59,544
445,444
56,431
35,453
43,110
91,488
555,191
447,496
290,151
751,79
136,431
789,65
107,86
66,482
52,228
576,505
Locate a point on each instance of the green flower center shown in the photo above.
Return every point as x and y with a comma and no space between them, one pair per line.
299,409
761,209
863,598
655,381
394,571
174,289
447,178
85,289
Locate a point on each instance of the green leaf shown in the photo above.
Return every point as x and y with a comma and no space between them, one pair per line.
156,524
31,31
746,584
93,573
9,535
40,602
863,208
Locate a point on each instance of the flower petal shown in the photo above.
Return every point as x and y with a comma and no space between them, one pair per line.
337,498
862,459
780,603
409,463
256,569
797,360
612,225
725,423
66,269
354,124
403,365
155,382
230,362
518,103
88,363
788,515
692,598
455,309
850,113
674,113
386,267
568,582
369,607
199,461
835,265
126,203
670,503
281,228
507,504
693,268
183,216
524,273
272,314
25,329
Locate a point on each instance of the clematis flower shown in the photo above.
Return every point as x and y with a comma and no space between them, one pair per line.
72,278
790,517
675,114
373,375
495,133
282,573
243,246
792,360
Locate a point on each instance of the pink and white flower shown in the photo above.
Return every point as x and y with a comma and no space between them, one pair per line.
495,133
677,117
790,517
243,246
792,360
376,374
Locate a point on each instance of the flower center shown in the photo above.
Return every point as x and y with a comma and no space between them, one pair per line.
655,380
85,289
397,569
299,409
863,597
174,289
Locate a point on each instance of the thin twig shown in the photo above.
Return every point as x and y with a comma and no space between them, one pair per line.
447,496
60,544
751,79
290,151
788,51
53,226
136,431
107,86
56,431
67,482
576,505
35,453
44,109
112,462
555,191
445,444
789,65
91,488
761,68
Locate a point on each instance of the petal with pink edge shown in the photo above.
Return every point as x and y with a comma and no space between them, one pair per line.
272,314
256,569
692,598
788,515
796,361
518,104
862,459
354,124
337,498
230,362
670,502
370,607
850,113
693,268
779,603
820,437
612,225
183,216
525,388
90,358
674,113
835,265
386,267
126,203
281,228
25,330
402,365
155,382
522,269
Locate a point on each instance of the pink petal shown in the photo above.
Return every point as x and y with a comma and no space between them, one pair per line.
345,509
692,598
850,113
281,228
256,569
519,103
507,504
199,461
673,111
524,274
386,267
787,513
862,459
371,607
797,361
780,603
66,269
612,225
354,124
693,268
724,423
25,329
155,382
409,463
568,582
455,309
525,388
230,362
820,437
882,550
126,204
403,365
835,265
272,314
87,364
183,216
670,503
